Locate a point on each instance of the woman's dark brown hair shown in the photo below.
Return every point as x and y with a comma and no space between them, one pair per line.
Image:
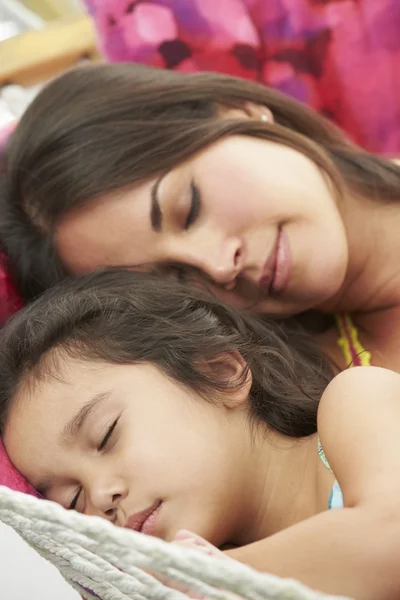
125,317
101,128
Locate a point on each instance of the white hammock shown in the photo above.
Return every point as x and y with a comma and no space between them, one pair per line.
105,562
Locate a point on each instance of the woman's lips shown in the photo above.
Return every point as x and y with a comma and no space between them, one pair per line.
269,267
283,264
276,273
146,520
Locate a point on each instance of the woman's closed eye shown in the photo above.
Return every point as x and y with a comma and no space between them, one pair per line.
103,446
195,206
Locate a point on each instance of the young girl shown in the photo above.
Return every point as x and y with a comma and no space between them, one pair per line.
161,409
127,165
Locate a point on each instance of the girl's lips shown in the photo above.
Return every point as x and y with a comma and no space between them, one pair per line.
145,520
149,526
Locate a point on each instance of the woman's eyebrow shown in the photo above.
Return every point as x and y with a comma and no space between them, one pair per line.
155,210
74,426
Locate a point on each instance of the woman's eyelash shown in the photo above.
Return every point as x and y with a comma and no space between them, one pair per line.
194,205
108,435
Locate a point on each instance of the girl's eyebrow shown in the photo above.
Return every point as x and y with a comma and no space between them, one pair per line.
43,486
74,426
72,429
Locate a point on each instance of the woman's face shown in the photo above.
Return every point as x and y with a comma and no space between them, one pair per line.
115,440
258,218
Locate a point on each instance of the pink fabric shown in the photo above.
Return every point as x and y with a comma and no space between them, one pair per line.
4,134
9,300
9,303
11,478
342,57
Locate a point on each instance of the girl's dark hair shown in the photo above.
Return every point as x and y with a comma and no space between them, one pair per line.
101,128
125,317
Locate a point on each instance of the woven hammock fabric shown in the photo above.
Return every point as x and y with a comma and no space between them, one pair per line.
105,562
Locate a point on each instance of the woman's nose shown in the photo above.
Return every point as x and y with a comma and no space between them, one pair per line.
222,261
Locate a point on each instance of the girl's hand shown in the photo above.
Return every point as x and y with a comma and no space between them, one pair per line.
187,539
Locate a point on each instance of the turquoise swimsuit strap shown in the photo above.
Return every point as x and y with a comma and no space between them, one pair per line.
322,455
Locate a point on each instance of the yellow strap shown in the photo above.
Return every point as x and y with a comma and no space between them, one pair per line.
351,347
349,342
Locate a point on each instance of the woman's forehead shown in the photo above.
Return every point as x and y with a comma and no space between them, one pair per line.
113,231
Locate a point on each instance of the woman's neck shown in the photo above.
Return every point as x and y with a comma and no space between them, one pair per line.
372,282
371,291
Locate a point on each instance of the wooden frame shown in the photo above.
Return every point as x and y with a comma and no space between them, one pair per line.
36,56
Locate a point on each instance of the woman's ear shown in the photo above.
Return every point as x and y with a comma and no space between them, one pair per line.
231,369
259,112
250,110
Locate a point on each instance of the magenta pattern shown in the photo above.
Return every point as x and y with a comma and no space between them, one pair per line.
342,57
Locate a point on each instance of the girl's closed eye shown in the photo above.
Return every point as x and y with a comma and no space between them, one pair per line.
103,446
105,443
75,499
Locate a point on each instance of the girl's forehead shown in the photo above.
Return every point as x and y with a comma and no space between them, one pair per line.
45,413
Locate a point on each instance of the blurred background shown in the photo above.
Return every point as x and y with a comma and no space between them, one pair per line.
38,39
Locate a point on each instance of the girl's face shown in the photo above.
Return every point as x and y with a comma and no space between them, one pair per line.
116,440
256,217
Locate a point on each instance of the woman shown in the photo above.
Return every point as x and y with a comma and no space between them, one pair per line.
124,165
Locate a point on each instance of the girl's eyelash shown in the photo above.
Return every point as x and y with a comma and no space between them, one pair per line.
108,435
194,206
102,446
74,502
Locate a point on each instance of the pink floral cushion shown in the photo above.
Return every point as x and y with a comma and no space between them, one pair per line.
342,57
